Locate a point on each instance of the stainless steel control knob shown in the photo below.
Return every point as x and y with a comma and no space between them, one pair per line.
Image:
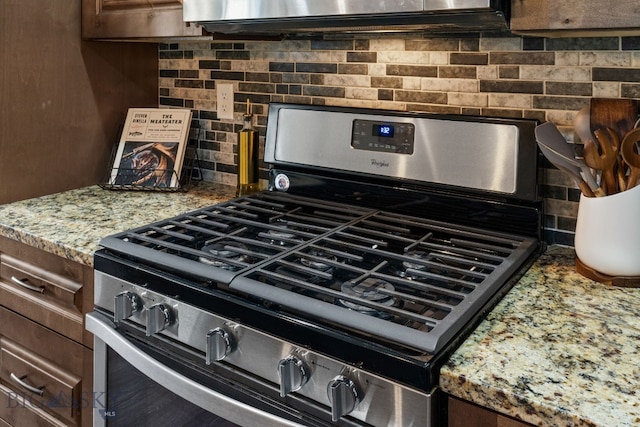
344,396
126,303
159,317
293,375
220,343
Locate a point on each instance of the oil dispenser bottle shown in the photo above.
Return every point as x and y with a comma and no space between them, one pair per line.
248,147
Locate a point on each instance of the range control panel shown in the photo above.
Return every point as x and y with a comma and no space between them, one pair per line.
388,137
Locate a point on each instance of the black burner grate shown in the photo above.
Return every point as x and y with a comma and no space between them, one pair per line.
408,280
242,233
398,278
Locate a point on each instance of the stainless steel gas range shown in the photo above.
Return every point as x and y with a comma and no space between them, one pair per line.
334,297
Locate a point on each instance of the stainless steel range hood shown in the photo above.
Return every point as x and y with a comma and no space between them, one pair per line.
330,16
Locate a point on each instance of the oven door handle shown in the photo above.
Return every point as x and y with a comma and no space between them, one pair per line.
210,400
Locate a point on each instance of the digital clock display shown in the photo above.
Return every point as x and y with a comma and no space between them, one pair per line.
383,136
383,130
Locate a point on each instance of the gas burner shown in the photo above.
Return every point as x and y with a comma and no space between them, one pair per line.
281,236
291,273
370,289
223,251
411,265
319,262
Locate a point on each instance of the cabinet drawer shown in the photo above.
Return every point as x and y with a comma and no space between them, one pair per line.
39,382
56,288
46,288
42,358
42,296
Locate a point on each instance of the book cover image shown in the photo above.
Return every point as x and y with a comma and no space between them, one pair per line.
147,164
152,147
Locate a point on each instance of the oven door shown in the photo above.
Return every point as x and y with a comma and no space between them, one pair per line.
137,383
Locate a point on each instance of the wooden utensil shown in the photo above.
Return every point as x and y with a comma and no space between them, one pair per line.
606,161
631,156
618,114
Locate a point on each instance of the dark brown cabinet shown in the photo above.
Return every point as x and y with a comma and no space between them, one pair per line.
465,414
45,353
63,99
46,288
135,19
575,18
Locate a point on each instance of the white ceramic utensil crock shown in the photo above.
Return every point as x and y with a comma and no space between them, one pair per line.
608,233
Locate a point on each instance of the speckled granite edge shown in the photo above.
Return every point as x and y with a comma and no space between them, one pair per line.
558,350
56,248
72,223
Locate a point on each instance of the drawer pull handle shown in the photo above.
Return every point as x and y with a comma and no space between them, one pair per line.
21,383
25,284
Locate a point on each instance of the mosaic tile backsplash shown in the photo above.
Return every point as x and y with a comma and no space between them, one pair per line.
544,79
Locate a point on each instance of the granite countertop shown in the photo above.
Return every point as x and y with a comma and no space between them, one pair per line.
558,350
70,224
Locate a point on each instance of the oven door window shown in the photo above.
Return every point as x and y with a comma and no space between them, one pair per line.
135,399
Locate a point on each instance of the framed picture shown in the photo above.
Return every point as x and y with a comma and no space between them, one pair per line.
151,148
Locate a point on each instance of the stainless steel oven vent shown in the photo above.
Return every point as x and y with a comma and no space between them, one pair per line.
326,16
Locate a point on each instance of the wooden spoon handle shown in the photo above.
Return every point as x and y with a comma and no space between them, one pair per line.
608,159
585,189
633,178
631,158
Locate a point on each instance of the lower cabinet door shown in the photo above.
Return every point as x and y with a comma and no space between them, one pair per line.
45,378
465,414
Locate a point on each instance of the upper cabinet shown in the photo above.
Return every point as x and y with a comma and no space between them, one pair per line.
136,20
58,91
575,18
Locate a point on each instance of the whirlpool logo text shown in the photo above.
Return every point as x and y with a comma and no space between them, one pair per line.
379,163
